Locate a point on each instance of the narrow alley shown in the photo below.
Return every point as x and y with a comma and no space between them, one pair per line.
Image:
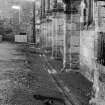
19,83
52,52
25,75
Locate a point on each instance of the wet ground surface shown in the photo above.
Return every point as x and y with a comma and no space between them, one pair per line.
80,88
22,77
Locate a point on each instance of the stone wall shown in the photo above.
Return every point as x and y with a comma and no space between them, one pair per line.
87,53
72,41
53,32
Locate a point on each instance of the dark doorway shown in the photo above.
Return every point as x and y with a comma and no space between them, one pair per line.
101,48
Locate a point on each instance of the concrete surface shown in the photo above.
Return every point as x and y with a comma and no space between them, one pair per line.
22,77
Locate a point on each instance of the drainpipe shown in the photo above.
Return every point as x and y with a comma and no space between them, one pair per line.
34,23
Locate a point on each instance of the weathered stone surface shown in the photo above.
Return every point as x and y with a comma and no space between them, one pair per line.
87,57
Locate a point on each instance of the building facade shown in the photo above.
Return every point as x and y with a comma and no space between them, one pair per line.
81,39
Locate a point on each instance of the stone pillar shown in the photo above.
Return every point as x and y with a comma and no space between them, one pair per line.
96,82
66,56
97,67
67,35
71,39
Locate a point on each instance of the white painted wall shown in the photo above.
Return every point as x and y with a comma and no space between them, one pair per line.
20,38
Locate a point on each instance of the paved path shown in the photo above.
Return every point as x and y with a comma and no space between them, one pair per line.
8,52
19,81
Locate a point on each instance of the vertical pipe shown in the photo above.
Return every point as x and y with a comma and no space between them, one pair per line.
44,36
71,38
46,29
102,47
34,24
43,33
64,46
56,38
19,16
52,37
93,11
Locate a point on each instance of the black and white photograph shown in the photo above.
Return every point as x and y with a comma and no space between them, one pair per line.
52,52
